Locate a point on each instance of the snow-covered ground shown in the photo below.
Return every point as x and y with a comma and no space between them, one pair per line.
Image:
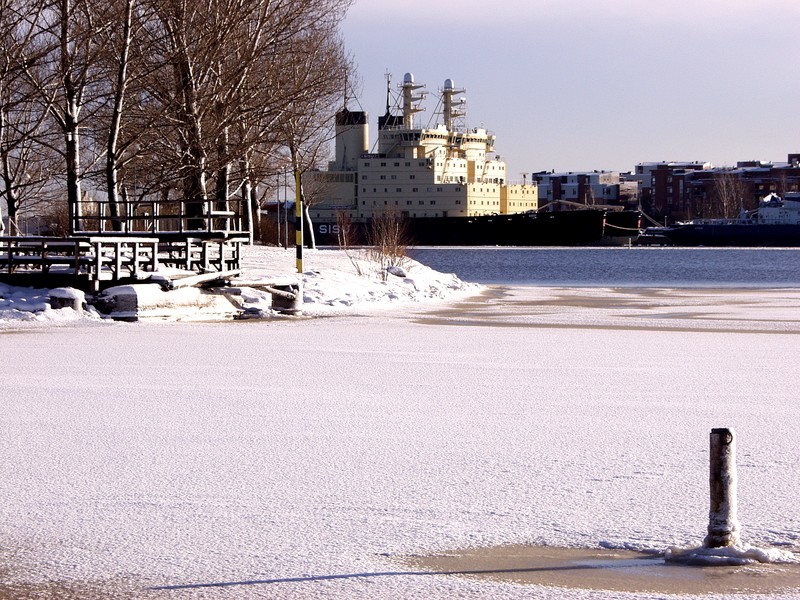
307,457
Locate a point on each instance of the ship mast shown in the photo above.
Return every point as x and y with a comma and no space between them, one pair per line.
410,100
451,107
388,91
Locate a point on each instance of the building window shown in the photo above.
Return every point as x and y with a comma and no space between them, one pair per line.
396,164
394,176
399,190
383,176
433,201
414,189
366,164
383,164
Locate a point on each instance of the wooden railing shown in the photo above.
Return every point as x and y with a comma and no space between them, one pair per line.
156,217
86,261
111,258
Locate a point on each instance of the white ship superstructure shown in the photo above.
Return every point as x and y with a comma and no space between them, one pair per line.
416,172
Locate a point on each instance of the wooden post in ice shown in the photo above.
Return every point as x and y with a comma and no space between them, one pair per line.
723,526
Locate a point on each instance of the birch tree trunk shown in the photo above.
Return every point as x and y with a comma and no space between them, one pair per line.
112,158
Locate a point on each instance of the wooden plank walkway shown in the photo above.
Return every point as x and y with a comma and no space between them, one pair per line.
90,260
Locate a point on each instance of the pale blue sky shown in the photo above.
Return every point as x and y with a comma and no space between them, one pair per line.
597,84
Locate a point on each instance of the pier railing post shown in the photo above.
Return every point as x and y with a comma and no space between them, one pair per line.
723,525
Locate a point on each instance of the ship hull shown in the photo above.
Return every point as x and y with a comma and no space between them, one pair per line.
741,235
568,228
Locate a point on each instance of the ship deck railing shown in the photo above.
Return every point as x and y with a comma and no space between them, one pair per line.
721,221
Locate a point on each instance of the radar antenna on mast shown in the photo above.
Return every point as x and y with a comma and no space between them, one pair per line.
346,82
388,90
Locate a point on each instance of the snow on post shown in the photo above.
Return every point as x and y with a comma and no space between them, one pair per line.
67,297
723,525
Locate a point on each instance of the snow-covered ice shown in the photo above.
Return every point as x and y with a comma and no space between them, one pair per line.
306,457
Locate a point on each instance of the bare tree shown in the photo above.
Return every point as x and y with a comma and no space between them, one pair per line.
728,196
388,239
172,97
27,163
119,35
63,71
319,69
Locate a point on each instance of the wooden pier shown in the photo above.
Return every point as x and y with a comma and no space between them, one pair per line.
91,262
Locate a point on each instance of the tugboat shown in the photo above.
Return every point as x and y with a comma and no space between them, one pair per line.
775,223
445,183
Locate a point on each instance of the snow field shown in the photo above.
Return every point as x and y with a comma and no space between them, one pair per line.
174,455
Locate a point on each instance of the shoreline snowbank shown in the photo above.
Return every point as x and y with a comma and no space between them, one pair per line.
334,282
